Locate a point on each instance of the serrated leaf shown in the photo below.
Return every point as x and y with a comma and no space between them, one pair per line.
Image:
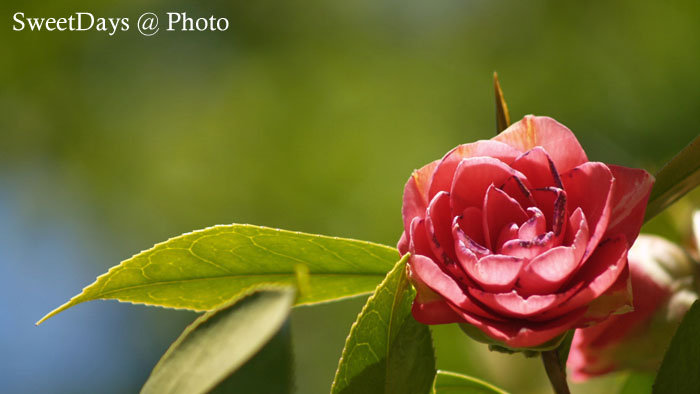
502,115
680,370
387,351
638,383
202,269
677,177
219,342
454,383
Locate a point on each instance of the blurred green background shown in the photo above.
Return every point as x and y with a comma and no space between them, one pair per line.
304,115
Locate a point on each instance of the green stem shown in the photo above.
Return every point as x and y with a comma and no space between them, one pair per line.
555,371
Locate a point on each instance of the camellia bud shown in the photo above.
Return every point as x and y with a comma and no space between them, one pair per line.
662,287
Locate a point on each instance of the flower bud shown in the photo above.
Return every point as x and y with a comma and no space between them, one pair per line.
662,280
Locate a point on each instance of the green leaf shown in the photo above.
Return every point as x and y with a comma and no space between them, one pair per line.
680,370
502,115
638,383
679,176
387,351
219,342
271,371
202,269
454,383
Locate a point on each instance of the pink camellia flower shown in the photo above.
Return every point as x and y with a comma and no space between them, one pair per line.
521,237
662,286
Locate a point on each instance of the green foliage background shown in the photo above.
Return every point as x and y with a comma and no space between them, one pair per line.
309,116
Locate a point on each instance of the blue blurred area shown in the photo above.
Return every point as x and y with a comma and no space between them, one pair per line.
305,115
93,348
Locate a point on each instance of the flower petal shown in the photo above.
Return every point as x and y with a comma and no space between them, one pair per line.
434,312
499,210
559,142
529,249
648,297
428,272
577,233
419,243
534,226
629,201
403,243
415,194
516,306
445,171
538,167
438,223
547,272
464,243
519,190
472,179
598,274
472,224
552,202
617,299
494,273
522,333
590,186
583,362
508,233
429,307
